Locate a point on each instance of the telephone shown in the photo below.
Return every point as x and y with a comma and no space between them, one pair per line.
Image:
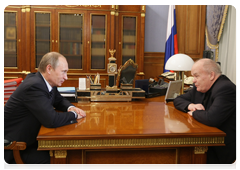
169,75
188,80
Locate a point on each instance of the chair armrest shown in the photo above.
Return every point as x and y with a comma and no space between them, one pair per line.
15,146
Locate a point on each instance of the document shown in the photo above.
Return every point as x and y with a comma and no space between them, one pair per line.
82,84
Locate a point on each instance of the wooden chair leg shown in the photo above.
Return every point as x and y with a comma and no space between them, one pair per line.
17,157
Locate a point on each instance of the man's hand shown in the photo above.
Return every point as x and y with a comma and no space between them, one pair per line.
193,107
79,112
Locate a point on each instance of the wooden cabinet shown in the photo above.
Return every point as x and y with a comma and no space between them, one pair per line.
130,38
13,58
83,34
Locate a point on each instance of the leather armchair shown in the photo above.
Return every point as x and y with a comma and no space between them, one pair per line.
127,73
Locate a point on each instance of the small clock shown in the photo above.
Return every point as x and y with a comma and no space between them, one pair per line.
112,68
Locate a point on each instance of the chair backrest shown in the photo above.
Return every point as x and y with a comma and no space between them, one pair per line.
10,86
127,73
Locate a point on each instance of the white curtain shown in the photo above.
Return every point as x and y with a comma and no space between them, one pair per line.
227,45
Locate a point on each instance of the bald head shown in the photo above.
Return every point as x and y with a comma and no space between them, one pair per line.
209,65
205,72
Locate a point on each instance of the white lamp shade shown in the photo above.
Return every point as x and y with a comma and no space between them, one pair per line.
179,62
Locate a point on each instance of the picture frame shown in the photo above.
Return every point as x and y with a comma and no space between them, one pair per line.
174,88
11,33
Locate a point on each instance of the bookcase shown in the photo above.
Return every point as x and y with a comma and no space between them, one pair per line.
11,35
82,33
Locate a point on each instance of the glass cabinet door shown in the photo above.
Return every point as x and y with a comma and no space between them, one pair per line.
98,41
70,39
129,35
10,39
42,36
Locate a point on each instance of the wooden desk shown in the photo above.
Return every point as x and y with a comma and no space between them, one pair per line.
144,131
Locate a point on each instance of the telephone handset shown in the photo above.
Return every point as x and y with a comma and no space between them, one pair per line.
188,80
170,75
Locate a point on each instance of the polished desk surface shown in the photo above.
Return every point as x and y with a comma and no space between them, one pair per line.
148,118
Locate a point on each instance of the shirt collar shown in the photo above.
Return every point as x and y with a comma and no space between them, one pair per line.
48,85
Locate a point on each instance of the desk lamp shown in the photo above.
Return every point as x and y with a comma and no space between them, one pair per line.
181,63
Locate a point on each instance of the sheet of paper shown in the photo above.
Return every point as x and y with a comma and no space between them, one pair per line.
82,84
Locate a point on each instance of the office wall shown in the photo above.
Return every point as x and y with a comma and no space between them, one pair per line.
155,28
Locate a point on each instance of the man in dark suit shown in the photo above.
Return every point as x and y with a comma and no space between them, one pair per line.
212,101
33,104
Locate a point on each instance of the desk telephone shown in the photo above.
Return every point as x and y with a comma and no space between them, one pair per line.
161,84
157,88
170,75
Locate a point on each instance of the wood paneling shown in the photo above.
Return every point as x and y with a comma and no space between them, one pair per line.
190,33
190,29
153,64
26,27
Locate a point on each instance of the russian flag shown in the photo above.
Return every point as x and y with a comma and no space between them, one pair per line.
171,46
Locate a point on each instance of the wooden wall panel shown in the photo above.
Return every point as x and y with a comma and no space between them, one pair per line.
190,29
153,64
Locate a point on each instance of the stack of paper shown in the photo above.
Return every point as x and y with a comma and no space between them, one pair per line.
68,93
10,86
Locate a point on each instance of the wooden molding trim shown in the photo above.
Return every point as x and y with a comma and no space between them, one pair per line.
121,143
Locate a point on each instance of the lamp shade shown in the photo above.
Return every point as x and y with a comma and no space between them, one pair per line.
179,62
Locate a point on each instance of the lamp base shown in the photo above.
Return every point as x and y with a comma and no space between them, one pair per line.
181,77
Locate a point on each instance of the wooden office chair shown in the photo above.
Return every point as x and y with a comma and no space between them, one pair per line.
15,147
127,73
234,165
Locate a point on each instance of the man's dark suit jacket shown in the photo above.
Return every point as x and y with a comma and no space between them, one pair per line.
220,112
31,106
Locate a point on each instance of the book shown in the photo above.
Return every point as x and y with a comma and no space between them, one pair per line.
69,93
10,88
12,82
67,90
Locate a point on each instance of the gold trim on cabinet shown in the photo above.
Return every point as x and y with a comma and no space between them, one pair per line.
60,154
91,143
200,149
22,72
112,12
28,9
140,73
51,153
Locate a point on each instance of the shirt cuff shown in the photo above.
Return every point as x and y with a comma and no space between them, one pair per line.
72,111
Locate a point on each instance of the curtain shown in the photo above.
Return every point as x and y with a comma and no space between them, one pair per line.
215,19
227,46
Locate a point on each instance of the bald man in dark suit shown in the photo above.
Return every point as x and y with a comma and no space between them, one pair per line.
212,101
33,104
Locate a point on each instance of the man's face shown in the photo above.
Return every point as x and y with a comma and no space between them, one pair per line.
201,78
59,75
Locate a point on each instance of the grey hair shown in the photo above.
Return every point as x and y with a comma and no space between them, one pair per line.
211,66
49,58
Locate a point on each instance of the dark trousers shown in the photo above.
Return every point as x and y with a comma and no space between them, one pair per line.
29,156
221,154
